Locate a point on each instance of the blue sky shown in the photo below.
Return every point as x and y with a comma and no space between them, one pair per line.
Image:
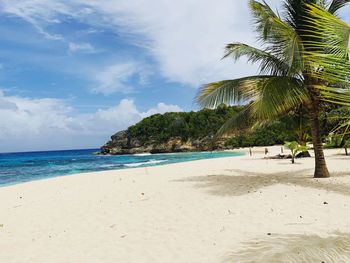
74,72
91,66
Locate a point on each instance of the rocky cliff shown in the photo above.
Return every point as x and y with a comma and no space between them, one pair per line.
123,143
172,132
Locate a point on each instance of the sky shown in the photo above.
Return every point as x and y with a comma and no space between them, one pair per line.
74,72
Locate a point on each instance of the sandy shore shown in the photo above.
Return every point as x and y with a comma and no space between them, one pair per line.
237,209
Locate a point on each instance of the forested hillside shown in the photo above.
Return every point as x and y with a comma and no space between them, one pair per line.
192,131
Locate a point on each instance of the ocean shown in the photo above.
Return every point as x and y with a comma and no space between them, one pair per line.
28,166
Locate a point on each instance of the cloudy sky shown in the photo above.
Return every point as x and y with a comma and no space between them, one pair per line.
73,72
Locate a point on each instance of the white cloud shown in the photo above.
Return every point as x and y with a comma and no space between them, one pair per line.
39,13
120,116
161,108
116,78
185,37
81,47
40,124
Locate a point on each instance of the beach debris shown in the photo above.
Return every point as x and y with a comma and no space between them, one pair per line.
122,236
279,156
289,156
269,234
20,197
325,203
142,193
303,155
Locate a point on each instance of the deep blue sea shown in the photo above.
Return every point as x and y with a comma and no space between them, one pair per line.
22,167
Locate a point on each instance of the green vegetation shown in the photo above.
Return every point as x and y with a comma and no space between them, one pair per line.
304,64
275,133
185,125
160,128
295,148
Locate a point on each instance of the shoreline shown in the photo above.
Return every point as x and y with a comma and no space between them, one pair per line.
212,210
132,165
113,170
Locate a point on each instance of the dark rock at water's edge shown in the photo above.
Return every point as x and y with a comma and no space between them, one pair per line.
303,155
123,143
289,156
280,156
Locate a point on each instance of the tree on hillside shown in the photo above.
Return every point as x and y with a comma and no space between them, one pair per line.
298,67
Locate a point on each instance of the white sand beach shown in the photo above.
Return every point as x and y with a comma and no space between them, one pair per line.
237,209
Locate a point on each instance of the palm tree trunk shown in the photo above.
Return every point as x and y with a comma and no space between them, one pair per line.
321,170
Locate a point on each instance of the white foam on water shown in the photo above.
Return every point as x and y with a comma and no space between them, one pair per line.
144,163
142,154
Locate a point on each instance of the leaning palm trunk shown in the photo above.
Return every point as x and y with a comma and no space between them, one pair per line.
305,55
321,170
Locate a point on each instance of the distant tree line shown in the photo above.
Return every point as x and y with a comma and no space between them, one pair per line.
205,123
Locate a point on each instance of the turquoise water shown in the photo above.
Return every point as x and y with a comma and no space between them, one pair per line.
22,167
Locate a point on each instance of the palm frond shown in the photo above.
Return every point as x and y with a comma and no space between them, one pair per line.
277,96
329,69
335,95
328,54
281,38
340,119
239,121
229,91
264,18
271,96
294,12
269,64
342,129
330,35
336,5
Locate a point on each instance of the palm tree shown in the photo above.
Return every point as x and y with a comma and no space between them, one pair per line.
295,148
294,68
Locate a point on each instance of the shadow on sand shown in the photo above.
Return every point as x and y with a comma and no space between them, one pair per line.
241,182
295,249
